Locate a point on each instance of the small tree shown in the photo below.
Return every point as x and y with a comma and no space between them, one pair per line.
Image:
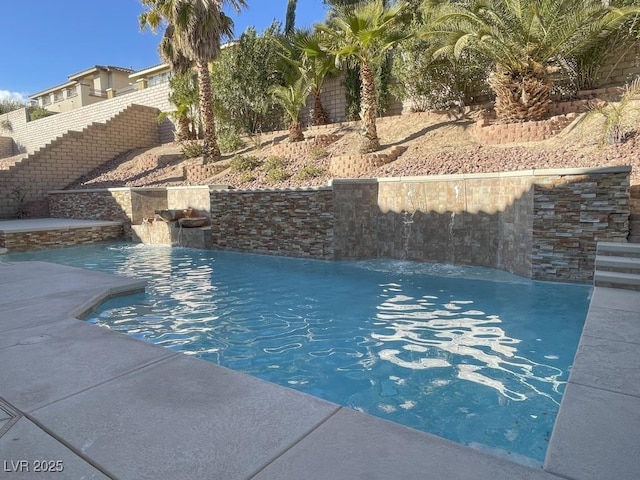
184,96
364,34
522,38
243,75
292,98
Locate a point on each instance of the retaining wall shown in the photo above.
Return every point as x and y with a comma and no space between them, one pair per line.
6,147
295,222
541,224
31,135
24,185
131,206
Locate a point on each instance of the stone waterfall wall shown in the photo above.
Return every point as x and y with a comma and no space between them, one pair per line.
538,224
541,224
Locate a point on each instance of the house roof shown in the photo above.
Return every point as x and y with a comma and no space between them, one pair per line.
149,71
73,78
52,89
96,68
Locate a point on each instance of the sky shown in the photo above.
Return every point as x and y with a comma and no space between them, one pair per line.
42,42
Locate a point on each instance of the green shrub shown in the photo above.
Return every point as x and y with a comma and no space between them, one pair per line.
242,163
39,112
247,177
229,140
317,152
274,163
310,171
191,149
276,175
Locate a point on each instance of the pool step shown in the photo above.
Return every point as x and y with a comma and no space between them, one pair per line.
617,265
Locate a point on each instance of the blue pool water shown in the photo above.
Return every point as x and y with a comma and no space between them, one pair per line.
474,355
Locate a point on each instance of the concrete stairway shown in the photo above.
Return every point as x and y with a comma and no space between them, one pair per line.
617,265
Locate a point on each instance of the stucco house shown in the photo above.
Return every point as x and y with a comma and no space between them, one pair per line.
150,77
85,88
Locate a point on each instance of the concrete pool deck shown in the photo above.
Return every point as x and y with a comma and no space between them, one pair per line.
106,405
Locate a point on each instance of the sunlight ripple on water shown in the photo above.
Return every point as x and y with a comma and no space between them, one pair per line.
474,355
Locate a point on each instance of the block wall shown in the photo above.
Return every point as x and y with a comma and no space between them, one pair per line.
73,155
6,147
29,136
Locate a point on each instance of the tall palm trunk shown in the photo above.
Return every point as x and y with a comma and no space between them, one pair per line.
295,132
320,116
520,97
210,149
184,129
368,110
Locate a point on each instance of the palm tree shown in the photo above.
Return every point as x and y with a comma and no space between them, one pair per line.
318,65
199,26
524,38
181,67
292,98
363,34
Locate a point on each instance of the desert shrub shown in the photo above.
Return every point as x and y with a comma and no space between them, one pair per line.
441,83
310,171
273,163
191,149
317,152
5,125
36,113
229,140
9,105
277,175
247,177
244,163
617,121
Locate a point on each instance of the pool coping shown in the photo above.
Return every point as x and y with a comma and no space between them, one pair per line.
86,396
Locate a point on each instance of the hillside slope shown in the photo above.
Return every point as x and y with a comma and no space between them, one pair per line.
436,144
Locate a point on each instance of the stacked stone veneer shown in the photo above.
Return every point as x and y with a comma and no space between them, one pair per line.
74,154
540,224
113,204
544,225
571,215
131,206
67,237
282,222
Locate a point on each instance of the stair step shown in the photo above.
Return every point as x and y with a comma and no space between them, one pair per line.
621,264
617,280
618,249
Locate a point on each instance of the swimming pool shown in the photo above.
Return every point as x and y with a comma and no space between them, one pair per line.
473,355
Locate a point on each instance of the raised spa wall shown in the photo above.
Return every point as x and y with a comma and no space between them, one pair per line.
542,224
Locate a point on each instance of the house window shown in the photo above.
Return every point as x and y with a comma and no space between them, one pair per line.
72,92
46,100
58,96
158,79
